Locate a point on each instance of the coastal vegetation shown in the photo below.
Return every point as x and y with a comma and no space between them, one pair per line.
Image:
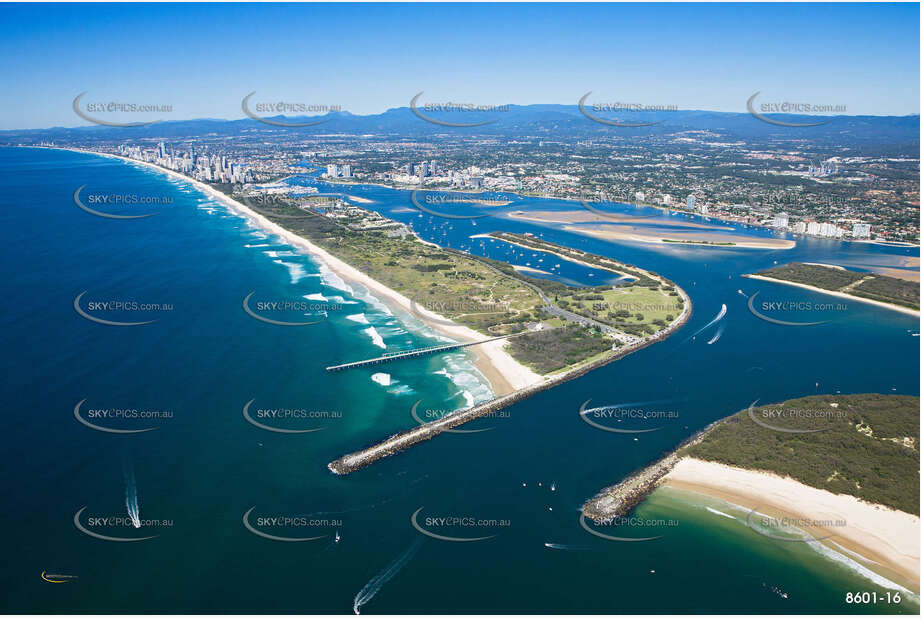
553,349
865,285
489,296
863,445
866,446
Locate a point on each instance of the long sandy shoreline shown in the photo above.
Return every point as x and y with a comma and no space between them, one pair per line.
878,303
883,540
503,372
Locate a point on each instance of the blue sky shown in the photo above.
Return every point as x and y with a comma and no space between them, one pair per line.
203,59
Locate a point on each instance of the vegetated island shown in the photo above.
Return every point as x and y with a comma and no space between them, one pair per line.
881,290
849,459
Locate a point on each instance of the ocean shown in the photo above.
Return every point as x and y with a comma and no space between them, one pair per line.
205,476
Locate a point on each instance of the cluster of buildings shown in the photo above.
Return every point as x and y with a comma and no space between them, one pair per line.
429,172
823,230
205,167
338,171
826,168
360,219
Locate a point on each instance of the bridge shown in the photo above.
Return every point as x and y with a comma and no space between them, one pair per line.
392,356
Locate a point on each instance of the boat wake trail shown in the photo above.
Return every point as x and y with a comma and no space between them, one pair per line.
564,547
377,582
717,336
131,495
719,316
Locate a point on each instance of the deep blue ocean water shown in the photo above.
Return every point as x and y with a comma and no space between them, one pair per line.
202,469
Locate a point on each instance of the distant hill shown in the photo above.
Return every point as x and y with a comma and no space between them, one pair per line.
547,121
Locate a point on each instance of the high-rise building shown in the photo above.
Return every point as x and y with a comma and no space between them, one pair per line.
666,199
346,171
704,209
861,230
781,220
691,201
332,171
813,228
424,169
640,196
799,227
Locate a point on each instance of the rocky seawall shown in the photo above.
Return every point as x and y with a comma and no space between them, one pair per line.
620,499
405,439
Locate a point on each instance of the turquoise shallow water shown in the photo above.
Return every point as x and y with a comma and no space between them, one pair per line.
206,466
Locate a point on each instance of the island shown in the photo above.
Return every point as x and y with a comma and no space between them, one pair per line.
877,289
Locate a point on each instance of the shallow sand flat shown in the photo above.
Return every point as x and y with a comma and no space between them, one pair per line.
494,361
636,235
886,539
912,264
528,269
586,216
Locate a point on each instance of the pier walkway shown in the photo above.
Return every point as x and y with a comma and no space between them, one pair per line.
386,358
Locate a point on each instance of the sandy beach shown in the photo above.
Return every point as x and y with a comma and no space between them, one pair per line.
684,239
585,216
503,372
883,540
870,301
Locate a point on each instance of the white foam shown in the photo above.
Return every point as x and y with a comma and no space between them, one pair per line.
295,271
334,281
860,569
316,296
382,378
358,317
720,513
375,337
